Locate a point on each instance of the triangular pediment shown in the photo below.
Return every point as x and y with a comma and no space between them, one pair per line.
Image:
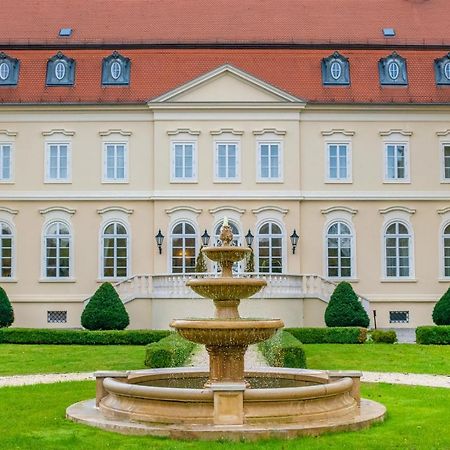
226,84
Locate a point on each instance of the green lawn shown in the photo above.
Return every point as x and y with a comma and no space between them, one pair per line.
25,359
32,417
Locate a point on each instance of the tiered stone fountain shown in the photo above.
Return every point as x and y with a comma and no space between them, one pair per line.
227,402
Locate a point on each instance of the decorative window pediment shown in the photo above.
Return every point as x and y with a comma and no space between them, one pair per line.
336,70
60,70
442,70
116,70
392,70
9,70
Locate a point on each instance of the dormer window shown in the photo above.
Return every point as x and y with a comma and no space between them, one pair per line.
392,70
9,70
335,70
60,71
442,70
116,70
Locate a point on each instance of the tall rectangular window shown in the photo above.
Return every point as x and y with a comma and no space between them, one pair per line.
270,164
227,161
115,162
446,150
5,162
338,168
58,162
184,161
396,162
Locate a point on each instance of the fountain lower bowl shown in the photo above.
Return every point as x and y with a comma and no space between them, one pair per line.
232,332
226,288
172,402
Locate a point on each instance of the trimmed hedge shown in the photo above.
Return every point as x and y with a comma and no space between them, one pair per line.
79,337
331,335
172,351
433,335
384,336
283,350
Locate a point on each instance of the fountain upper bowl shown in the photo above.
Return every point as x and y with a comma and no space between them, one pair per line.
226,253
226,288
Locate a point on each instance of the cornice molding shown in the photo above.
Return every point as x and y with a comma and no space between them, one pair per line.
395,131
115,131
443,211
333,209
443,133
227,208
191,209
9,133
58,131
9,210
269,131
277,209
183,131
57,209
397,209
115,209
337,131
226,131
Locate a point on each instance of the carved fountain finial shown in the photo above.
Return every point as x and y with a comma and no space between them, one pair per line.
226,234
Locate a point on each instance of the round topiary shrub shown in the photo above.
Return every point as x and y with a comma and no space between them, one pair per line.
105,310
441,311
6,310
344,308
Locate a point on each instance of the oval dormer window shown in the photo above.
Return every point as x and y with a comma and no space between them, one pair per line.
336,70
60,70
4,71
116,70
394,70
446,70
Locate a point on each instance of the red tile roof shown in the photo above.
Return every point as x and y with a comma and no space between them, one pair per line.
154,72
152,21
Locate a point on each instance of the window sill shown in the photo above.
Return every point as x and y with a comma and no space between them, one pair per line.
115,182
396,182
7,182
183,182
57,280
445,181
226,181
8,280
269,181
58,182
440,280
398,280
338,181
339,279
111,280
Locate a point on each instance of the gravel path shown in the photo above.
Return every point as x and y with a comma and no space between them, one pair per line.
253,358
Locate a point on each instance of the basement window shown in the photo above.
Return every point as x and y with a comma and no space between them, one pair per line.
56,316
388,32
398,316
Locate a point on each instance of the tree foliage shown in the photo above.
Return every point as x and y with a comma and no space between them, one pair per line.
105,310
200,263
250,262
344,308
441,311
6,310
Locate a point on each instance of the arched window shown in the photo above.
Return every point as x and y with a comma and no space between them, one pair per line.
184,245
6,249
397,242
339,250
114,251
237,267
57,242
446,239
270,248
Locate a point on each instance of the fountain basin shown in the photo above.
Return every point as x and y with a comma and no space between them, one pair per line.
230,253
223,333
295,402
226,288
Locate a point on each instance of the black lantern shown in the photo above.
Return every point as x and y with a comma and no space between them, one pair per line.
205,238
249,238
294,241
159,240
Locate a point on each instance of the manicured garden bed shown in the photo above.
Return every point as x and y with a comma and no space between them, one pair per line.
33,418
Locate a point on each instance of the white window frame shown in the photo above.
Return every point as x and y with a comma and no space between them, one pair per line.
283,247
406,178
270,179
352,249
193,178
443,160
103,227
48,178
11,162
328,178
47,225
115,179
13,251
196,250
442,236
410,235
237,177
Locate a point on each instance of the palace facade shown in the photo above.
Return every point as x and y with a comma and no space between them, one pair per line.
288,118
